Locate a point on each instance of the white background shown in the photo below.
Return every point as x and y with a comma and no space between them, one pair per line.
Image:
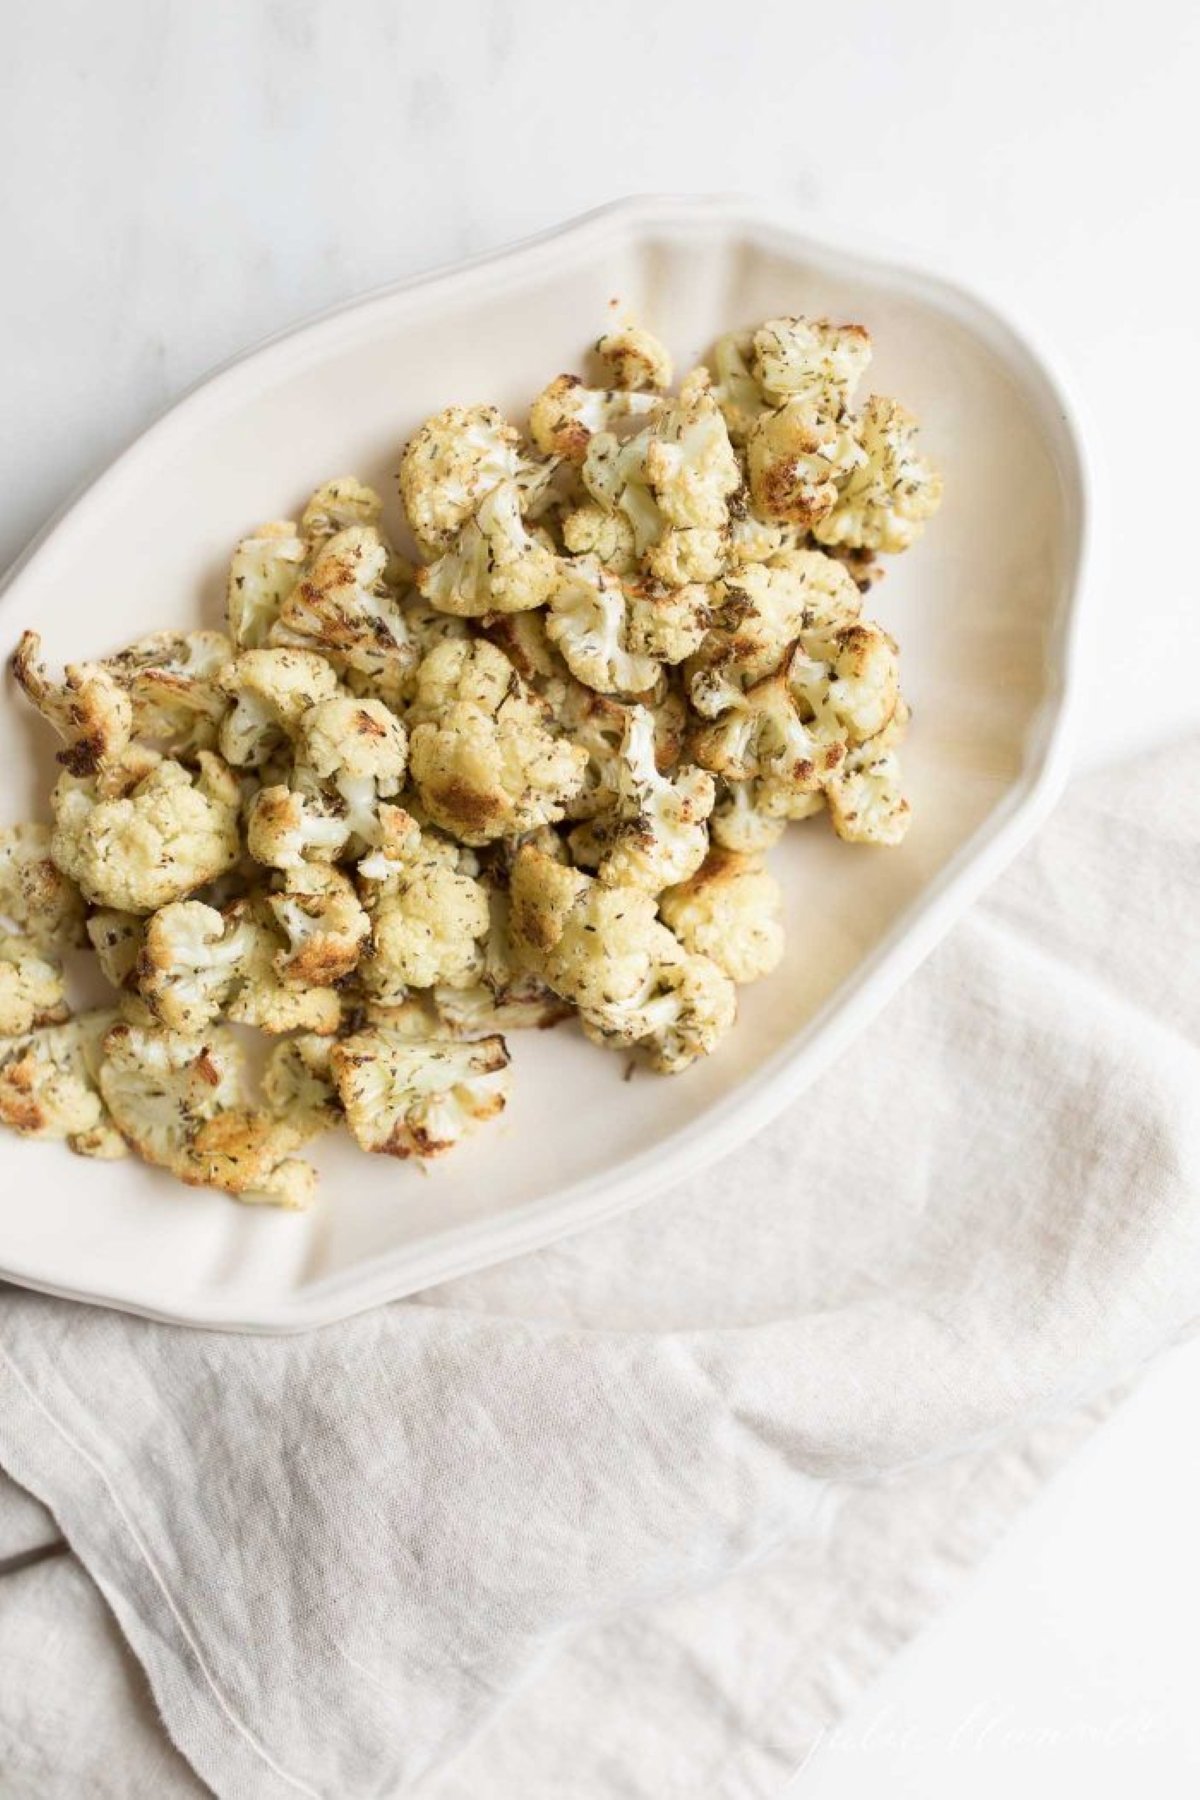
181,179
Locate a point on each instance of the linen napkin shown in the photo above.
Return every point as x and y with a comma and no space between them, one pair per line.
637,1514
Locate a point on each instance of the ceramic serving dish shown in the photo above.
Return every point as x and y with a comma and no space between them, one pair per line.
984,609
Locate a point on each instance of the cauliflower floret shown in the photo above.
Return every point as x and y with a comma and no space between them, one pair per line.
589,530
264,570
359,746
325,925
589,621
287,826
811,360
406,1097
796,458
684,1010
262,996
737,822
494,565
884,500
31,988
427,912
567,415
866,800
759,612
39,901
196,962
297,1084
682,556
676,474
483,758
605,949
340,503
180,1102
171,833
668,623
88,708
48,1086
344,608
449,466
656,835
766,737
635,359
848,679
271,690
350,754
731,910
190,963
117,939
171,680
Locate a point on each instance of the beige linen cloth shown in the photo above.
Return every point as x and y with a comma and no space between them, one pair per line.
634,1517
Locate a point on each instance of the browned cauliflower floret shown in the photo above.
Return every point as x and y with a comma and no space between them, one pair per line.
449,466
494,564
171,680
669,623
765,737
655,834
38,900
344,607
567,415
605,949
173,831
264,570
271,691
428,914
31,988
320,915
635,359
758,613
196,963
848,679
888,494
731,910
526,643
48,1086
88,708
180,1102
361,748
407,1096
351,754
796,458
482,756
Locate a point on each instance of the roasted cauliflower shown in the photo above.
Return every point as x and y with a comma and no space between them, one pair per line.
395,809
484,760
173,831
417,1097
48,1086
730,910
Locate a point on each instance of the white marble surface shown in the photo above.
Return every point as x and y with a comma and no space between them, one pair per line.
183,179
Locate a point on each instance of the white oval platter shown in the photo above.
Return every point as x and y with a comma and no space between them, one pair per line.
985,609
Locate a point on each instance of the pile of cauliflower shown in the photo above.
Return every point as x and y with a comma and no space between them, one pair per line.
394,810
